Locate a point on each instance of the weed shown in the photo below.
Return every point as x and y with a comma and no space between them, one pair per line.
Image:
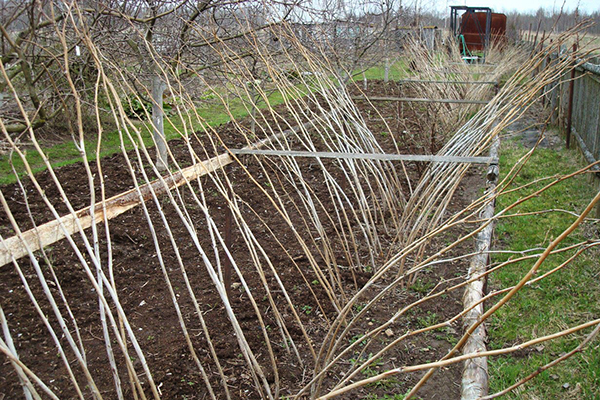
356,338
306,309
447,334
136,108
387,383
188,382
372,369
422,286
358,307
427,320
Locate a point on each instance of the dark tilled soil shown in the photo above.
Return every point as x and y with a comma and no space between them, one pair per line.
140,282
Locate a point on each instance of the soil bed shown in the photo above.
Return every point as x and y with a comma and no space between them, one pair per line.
146,301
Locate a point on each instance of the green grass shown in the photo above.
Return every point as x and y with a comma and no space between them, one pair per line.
565,299
214,113
398,70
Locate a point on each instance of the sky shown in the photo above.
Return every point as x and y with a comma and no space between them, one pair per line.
587,6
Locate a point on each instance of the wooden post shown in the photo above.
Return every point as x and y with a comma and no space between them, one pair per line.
555,99
546,89
158,131
228,242
536,37
570,103
386,74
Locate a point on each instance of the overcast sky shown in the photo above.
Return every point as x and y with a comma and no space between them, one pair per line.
587,6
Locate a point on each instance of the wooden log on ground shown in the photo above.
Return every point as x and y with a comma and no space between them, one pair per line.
475,373
51,232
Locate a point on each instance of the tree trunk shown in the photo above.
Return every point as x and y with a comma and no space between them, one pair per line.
386,75
253,100
158,88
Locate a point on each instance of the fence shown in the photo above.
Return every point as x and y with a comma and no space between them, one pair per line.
574,101
585,107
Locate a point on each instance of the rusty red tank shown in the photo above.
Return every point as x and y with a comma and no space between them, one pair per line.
473,28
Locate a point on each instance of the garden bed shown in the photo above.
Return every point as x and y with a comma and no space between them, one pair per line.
140,283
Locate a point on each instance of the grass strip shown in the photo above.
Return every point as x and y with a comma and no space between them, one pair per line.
562,300
213,112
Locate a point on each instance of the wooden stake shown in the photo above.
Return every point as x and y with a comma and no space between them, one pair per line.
53,231
228,242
